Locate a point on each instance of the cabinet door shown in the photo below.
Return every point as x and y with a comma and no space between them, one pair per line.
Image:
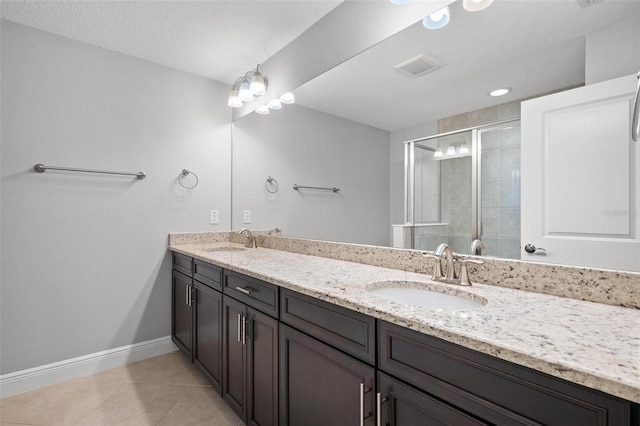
262,369
402,405
181,314
234,372
207,332
320,385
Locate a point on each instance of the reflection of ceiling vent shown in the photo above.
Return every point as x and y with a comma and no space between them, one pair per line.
418,66
587,3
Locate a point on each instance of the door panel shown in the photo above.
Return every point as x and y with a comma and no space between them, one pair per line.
580,177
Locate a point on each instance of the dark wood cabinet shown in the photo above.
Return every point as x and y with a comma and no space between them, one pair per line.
207,332
181,312
320,385
250,367
319,365
402,405
492,389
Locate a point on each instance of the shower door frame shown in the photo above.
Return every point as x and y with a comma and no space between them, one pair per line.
476,168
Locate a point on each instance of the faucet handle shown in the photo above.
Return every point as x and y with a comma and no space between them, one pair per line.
437,270
464,272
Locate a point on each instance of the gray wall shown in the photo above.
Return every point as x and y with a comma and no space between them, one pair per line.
84,257
307,147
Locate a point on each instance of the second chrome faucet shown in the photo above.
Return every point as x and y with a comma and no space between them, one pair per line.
447,273
251,241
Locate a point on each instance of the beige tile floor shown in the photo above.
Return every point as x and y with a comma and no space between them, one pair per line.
165,390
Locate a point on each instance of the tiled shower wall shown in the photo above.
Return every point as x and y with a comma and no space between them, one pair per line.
500,184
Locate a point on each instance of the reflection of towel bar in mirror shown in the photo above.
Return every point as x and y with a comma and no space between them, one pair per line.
299,187
41,168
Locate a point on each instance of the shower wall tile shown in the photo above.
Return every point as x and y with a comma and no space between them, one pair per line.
458,220
510,193
460,244
490,141
510,248
456,195
490,196
491,247
490,165
509,110
510,138
456,170
484,116
490,222
455,122
510,163
509,223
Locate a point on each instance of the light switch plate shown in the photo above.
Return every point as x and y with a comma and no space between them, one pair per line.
247,216
213,217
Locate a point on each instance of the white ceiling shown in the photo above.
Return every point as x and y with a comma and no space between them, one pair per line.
220,40
533,46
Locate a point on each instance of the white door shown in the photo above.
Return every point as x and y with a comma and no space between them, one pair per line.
580,177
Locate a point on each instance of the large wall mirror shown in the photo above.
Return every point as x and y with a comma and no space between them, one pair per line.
348,128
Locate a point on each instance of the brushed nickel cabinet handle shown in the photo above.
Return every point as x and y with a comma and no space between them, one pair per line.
361,404
239,329
244,330
243,290
378,409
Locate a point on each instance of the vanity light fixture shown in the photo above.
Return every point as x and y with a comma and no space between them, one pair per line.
262,110
288,98
438,153
275,104
246,88
437,19
451,150
476,5
464,149
401,1
500,92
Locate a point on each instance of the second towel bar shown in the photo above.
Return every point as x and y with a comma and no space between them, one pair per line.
298,187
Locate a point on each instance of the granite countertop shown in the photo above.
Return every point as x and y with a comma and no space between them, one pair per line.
592,344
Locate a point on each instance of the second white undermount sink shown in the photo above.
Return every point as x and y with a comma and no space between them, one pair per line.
416,294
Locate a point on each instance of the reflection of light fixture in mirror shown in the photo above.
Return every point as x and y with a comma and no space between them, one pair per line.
401,1
476,5
451,150
500,92
437,19
275,104
464,148
437,153
288,98
262,110
247,87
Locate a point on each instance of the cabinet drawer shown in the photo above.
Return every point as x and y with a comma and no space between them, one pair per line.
208,274
253,292
183,264
498,391
347,330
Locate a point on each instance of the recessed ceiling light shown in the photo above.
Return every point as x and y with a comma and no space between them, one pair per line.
500,92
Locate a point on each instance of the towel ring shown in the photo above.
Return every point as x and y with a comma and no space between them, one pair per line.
184,174
271,182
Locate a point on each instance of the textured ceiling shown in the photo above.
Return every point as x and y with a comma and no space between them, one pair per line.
216,39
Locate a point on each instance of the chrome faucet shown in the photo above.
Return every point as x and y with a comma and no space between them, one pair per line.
475,246
251,241
450,276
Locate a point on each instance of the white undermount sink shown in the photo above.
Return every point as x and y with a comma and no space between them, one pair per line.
419,294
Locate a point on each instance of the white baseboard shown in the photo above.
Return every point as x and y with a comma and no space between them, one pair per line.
58,372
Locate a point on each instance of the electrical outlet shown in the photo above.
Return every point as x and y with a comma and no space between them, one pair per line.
247,216
213,217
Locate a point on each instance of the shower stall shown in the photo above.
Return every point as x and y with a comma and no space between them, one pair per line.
461,186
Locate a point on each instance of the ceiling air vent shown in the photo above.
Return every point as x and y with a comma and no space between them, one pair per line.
420,65
587,3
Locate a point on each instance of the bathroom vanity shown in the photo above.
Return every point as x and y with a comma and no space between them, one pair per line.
293,339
